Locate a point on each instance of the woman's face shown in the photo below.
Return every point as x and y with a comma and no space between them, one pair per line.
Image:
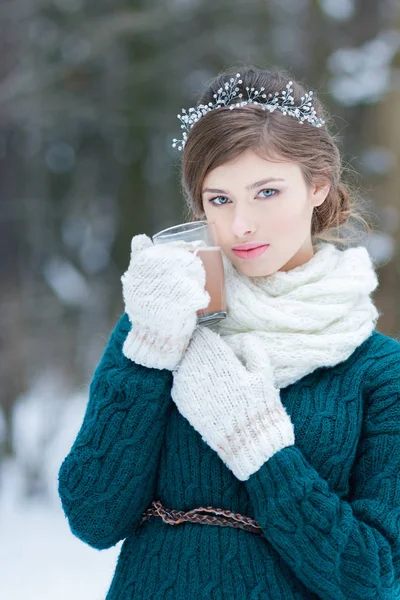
253,200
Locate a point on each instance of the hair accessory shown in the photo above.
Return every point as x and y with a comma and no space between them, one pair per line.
284,102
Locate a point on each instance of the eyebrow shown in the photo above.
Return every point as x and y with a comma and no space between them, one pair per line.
252,186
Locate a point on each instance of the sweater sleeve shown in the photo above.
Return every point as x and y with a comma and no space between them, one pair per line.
108,478
341,549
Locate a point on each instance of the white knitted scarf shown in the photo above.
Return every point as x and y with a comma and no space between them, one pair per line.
312,316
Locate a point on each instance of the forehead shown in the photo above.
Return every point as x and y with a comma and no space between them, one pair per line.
249,167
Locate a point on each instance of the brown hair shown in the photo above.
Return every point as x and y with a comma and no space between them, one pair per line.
221,135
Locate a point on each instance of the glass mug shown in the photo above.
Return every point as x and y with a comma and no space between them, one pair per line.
211,257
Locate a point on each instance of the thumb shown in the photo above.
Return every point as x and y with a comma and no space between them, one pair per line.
140,242
255,354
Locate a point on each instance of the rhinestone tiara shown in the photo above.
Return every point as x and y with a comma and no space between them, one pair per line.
283,101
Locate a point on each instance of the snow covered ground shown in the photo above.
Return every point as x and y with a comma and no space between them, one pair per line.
40,558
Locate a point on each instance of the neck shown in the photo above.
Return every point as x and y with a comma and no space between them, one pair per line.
303,255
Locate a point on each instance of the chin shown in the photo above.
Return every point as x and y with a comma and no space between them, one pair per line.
252,269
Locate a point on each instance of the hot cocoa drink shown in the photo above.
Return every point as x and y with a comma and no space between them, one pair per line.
211,258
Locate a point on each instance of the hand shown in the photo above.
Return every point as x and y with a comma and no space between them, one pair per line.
163,288
234,406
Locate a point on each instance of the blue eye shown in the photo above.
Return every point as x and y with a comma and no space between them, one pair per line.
269,190
212,200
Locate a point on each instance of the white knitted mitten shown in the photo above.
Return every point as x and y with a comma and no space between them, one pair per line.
233,405
163,288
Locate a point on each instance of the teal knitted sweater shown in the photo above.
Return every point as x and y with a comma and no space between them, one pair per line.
329,506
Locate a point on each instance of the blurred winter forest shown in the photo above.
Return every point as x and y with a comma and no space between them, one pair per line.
89,93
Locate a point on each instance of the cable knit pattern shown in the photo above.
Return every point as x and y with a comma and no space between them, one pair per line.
329,506
109,477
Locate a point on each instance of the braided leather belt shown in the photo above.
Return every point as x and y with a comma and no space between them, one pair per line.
226,518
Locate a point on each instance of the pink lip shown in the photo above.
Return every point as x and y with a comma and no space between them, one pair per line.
249,246
253,253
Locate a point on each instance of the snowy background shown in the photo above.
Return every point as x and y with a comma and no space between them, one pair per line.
40,558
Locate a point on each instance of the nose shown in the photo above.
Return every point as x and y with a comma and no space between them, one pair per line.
242,225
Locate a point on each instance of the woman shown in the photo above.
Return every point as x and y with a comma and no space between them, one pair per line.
259,457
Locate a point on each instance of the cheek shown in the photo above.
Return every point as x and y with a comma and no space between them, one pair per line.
217,228
221,235
289,216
